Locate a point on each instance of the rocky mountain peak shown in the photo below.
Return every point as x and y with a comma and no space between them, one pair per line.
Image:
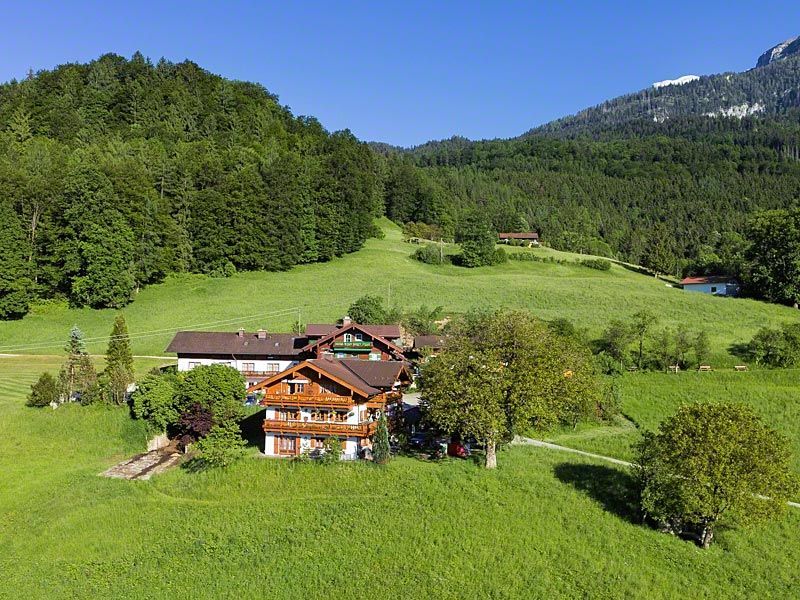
780,52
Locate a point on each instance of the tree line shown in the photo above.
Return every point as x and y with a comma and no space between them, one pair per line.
116,173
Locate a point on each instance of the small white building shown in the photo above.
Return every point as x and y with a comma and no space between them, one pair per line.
716,285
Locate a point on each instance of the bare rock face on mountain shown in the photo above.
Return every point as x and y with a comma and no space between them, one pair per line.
780,52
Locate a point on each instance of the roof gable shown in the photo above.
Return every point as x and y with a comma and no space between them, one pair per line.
354,327
326,368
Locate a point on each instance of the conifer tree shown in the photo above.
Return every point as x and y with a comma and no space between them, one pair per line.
77,373
381,452
119,346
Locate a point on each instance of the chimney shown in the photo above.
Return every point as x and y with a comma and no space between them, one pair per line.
262,334
241,332
346,321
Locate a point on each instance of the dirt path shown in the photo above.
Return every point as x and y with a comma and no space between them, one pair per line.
526,441
144,466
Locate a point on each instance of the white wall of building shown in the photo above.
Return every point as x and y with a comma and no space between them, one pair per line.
186,364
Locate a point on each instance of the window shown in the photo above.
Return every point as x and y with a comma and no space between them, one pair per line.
359,337
286,445
340,355
714,289
273,367
348,337
249,367
192,365
297,388
374,355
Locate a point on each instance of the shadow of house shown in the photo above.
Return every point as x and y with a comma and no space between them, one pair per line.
614,489
252,428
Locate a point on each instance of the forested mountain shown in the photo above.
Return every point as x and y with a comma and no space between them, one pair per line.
673,193
118,172
771,89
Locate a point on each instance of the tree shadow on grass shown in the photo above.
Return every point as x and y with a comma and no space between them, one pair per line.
741,351
614,489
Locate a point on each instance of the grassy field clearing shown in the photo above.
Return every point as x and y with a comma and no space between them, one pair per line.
648,398
323,292
544,524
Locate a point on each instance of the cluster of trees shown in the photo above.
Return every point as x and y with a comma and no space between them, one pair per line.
503,374
202,407
711,466
641,343
115,173
78,380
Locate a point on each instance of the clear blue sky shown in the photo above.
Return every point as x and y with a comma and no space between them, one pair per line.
405,72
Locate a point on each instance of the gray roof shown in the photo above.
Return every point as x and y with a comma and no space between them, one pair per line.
232,344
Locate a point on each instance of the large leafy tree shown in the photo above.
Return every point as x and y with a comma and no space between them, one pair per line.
155,401
504,373
477,240
774,255
712,466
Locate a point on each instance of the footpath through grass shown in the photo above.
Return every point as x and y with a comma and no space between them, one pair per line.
323,292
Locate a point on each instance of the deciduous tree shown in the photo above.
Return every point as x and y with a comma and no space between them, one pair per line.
713,465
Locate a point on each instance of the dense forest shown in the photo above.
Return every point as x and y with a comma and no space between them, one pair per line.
117,172
669,194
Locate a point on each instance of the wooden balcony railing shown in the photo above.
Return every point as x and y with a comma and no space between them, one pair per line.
306,400
319,427
260,373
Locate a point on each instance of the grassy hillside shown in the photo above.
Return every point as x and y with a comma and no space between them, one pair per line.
322,292
544,524
647,399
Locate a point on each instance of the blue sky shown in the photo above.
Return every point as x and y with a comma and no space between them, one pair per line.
407,72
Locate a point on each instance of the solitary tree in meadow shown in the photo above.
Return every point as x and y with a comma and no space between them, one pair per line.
712,466
504,375
642,323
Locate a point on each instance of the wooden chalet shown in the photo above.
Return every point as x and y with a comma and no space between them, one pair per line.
352,340
325,397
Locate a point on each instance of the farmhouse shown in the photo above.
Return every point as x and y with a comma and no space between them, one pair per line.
262,354
256,355
531,237
717,285
324,397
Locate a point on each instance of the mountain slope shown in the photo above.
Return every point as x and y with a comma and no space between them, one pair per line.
770,89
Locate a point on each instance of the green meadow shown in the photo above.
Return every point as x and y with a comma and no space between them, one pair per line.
323,292
544,524
648,398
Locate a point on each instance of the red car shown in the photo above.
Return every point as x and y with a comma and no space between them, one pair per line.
457,450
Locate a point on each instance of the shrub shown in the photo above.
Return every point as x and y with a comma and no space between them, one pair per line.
430,255
194,423
44,392
222,446
596,263
331,451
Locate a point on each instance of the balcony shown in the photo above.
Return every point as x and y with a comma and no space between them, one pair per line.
306,400
363,346
262,374
320,427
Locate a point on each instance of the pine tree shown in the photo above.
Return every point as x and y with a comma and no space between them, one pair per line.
381,452
77,373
